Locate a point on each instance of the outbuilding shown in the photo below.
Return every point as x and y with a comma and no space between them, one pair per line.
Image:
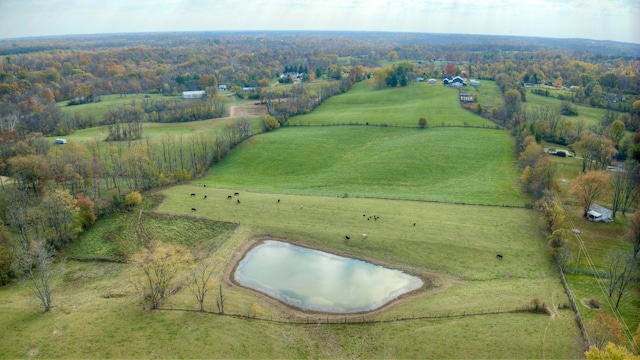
193,94
432,81
598,213
60,141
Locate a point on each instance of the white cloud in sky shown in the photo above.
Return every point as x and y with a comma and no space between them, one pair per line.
594,19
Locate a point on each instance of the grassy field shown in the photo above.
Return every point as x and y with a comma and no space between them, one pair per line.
157,130
96,311
442,164
98,109
591,116
280,177
401,106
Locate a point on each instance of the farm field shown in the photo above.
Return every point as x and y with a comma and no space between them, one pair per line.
97,109
591,116
97,304
442,164
313,186
401,106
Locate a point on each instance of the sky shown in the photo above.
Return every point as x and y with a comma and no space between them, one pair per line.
617,20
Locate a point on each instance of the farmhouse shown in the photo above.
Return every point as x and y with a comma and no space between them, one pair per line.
466,97
192,94
222,87
598,213
456,81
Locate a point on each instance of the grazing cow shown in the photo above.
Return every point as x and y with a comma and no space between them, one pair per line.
236,194
278,201
238,201
364,215
205,185
193,209
364,236
205,197
301,206
347,237
414,224
376,217
499,257
192,194
229,197
369,218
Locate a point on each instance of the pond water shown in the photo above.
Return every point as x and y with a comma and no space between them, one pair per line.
318,281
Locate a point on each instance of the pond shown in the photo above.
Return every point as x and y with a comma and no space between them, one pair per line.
318,281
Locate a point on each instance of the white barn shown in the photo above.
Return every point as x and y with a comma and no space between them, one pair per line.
474,82
193,94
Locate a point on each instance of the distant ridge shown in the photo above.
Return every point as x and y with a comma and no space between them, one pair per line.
365,39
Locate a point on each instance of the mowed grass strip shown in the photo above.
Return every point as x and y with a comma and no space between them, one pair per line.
400,106
445,164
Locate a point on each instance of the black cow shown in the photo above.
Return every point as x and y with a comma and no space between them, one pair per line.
205,197
229,197
278,201
347,237
499,257
236,194
193,209
192,194
238,201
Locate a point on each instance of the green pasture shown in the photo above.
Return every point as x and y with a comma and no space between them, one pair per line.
440,164
591,116
400,106
489,94
155,131
96,311
97,109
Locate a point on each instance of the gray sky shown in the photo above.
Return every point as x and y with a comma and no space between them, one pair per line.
617,20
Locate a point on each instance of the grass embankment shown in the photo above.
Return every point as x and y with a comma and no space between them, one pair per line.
443,164
401,106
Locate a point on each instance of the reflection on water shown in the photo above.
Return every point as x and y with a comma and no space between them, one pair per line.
319,281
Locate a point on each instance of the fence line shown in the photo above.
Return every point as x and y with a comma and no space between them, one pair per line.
363,319
442,125
574,306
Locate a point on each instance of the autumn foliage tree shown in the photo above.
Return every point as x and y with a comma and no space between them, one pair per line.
160,265
86,216
603,329
589,186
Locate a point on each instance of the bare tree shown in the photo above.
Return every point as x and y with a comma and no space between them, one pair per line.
633,233
36,265
620,266
160,265
199,282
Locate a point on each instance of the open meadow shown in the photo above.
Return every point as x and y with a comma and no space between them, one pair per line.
315,186
393,107
443,164
452,245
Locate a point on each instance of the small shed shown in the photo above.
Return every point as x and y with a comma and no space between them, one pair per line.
598,213
474,82
192,94
60,141
466,97
432,81
222,87
419,79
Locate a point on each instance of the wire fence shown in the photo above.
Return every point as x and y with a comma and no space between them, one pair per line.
365,319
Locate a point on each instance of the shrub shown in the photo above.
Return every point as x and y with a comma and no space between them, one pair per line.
133,199
594,304
422,123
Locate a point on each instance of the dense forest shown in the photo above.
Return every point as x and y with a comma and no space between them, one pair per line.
61,190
